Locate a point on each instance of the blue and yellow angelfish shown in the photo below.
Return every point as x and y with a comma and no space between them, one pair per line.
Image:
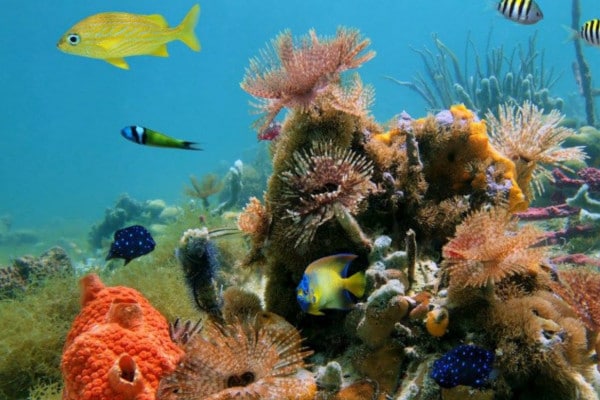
325,285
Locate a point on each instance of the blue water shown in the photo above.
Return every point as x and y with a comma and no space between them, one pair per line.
62,157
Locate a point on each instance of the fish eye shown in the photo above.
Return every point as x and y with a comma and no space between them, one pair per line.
73,39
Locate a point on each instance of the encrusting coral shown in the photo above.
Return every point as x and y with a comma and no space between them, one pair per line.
241,361
118,347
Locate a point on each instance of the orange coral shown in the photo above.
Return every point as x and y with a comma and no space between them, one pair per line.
118,347
488,247
437,321
263,360
293,74
465,144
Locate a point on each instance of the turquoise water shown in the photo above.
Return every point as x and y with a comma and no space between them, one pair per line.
63,160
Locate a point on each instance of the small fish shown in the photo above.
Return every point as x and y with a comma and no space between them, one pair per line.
524,12
113,35
272,131
590,32
140,135
324,285
131,242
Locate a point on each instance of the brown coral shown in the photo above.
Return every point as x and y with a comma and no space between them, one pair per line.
319,183
580,288
293,74
241,361
254,221
488,247
207,186
530,139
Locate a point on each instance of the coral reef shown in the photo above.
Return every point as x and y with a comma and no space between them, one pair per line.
128,211
27,270
461,298
506,79
242,360
118,347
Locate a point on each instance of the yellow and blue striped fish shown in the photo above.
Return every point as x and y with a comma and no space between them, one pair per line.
590,32
111,36
524,12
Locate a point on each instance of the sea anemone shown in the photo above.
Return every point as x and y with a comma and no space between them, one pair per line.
320,184
488,247
292,74
241,361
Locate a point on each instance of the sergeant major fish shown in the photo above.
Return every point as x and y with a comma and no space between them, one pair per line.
111,36
525,12
590,32
140,135
325,285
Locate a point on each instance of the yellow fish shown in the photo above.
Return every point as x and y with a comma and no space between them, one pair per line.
325,285
113,35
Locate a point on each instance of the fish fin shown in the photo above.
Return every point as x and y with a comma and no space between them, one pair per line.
127,261
160,51
187,26
158,20
109,43
356,284
573,34
316,312
190,145
117,62
337,262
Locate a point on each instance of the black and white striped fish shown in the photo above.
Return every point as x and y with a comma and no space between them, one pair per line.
590,32
524,12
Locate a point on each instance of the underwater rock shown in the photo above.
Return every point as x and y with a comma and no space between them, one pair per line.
118,346
385,307
329,377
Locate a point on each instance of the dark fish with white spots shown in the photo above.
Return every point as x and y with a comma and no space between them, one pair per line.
131,242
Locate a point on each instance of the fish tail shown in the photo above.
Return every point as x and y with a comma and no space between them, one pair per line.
187,26
356,284
190,145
